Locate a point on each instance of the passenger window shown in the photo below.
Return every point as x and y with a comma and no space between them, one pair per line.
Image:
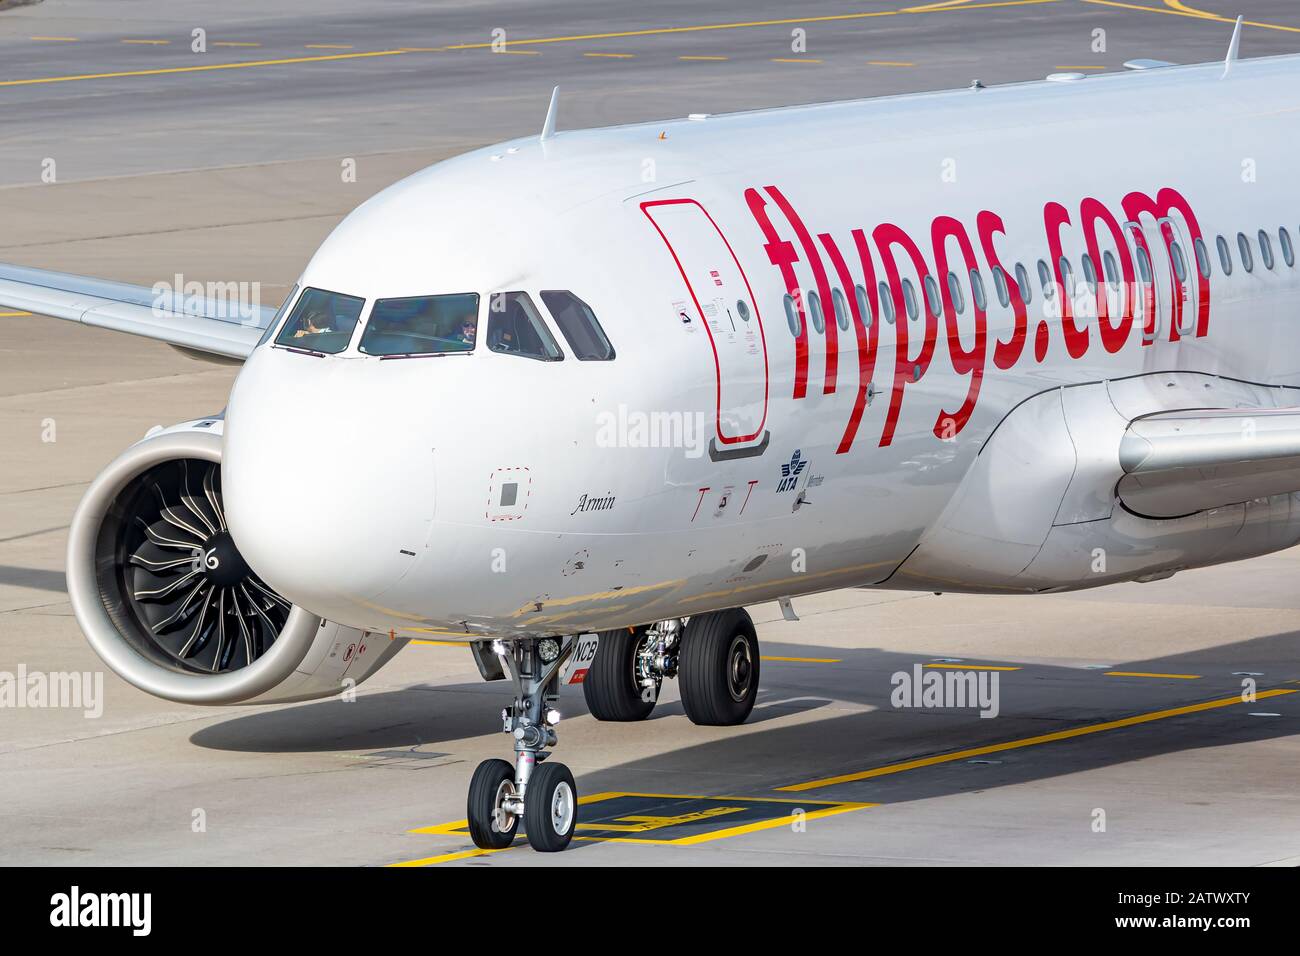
864,305
321,321
1112,271
1265,250
579,326
977,290
1045,277
1288,250
1067,277
1202,256
1243,246
1144,264
1022,280
841,309
1089,272
1179,260
954,290
1000,285
909,299
887,303
1225,255
932,295
792,317
422,325
815,310
515,327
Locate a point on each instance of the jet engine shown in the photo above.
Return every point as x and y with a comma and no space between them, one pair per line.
159,587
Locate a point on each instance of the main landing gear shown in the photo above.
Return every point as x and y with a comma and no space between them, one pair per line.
715,655
542,794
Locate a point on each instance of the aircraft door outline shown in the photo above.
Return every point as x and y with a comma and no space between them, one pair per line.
725,305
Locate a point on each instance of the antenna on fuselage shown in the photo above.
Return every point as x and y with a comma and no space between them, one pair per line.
548,128
1234,45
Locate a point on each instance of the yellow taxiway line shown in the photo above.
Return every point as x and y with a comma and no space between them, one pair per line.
205,68
1027,742
1147,674
1182,10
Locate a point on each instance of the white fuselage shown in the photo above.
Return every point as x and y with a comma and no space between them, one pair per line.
719,460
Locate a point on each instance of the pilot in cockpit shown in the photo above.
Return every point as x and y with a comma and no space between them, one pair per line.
314,322
468,326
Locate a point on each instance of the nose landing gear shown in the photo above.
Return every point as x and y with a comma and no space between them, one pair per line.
542,794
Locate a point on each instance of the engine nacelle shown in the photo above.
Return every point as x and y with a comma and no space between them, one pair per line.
165,599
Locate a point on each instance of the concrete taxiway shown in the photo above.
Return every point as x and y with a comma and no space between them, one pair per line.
1121,735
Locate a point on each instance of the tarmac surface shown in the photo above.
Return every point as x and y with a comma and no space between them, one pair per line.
1121,736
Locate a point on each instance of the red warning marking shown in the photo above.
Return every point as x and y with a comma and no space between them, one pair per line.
700,502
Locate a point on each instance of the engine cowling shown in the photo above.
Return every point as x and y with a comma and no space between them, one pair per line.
165,599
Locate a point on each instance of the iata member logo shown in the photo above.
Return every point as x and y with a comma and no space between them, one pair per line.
791,471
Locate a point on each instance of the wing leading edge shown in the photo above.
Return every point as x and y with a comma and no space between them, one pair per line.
210,327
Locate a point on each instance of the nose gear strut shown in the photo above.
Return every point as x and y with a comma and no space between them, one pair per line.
544,796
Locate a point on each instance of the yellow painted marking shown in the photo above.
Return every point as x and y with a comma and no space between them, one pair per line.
781,821
1145,674
948,8
1183,8
10,315
638,823
1026,742
660,31
823,810
700,28
612,56
888,63
199,69
234,43
703,58
328,46
927,8
149,42
57,39
974,667
1185,11
777,59
803,660
448,857
440,643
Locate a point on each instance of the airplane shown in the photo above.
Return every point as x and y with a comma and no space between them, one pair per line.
576,399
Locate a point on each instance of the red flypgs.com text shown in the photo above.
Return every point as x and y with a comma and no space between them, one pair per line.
876,260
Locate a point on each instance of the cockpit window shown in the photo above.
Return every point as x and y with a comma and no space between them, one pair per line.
279,314
579,326
515,328
321,321
423,325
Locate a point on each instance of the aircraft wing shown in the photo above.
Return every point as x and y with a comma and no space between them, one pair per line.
1177,463
209,327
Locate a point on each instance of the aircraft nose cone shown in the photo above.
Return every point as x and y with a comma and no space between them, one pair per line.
328,476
